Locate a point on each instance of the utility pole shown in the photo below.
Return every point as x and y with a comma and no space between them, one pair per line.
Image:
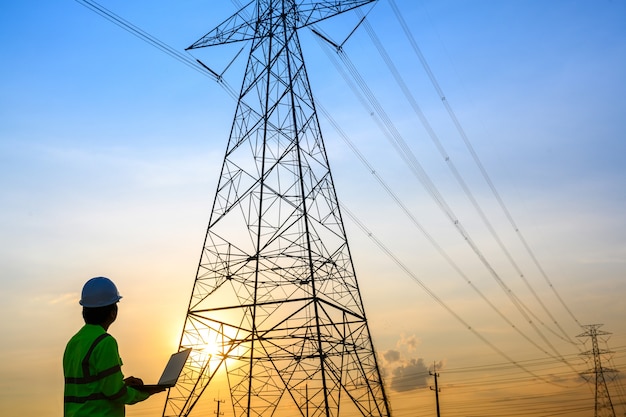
603,407
436,389
217,413
307,399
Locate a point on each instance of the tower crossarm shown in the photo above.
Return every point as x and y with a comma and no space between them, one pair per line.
601,370
596,352
242,27
310,12
236,28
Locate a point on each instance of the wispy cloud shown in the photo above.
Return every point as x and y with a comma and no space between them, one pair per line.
59,299
410,342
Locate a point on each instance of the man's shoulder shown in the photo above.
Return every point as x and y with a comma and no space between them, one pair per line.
98,335
89,334
88,339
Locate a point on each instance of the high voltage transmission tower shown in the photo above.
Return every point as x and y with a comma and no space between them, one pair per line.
276,304
603,407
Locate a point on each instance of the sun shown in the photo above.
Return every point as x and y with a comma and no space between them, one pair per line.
211,344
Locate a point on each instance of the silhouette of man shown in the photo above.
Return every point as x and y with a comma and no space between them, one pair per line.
94,383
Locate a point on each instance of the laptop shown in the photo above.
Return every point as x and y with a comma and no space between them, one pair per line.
171,372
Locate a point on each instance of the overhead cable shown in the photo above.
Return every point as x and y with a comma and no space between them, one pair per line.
426,234
405,153
475,157
439,301
455,172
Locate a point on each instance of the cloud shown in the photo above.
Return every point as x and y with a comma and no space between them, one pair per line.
57,299
68,298
438,366
391,356
410,343
407,372
412,375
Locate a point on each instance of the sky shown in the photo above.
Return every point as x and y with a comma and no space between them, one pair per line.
110,152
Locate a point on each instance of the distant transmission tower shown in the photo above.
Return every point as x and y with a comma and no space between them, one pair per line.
603,407
276,302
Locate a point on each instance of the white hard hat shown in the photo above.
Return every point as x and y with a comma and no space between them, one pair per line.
99,292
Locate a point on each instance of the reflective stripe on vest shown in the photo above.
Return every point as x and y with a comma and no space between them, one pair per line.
95,396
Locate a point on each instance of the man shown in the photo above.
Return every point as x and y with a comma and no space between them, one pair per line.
94,383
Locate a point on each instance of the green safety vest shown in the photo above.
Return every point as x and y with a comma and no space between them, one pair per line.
94,383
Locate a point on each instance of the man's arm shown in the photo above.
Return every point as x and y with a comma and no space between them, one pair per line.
107,360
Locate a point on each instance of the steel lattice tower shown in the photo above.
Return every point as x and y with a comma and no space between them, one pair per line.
603,407
275,288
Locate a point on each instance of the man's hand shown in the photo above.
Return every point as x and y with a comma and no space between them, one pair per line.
131,381
153,390
137,383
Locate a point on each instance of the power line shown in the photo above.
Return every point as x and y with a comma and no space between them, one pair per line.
429,237
399,263
475,157
367,99
185,59
455,172
198,66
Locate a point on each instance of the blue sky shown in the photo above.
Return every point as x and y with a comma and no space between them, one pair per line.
110,152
